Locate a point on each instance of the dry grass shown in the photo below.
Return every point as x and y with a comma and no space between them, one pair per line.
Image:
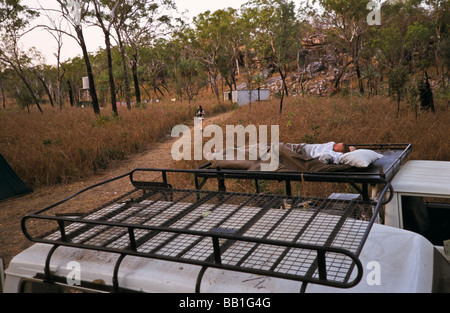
61,146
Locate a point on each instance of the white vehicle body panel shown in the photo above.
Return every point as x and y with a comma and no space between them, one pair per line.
403,263
421,179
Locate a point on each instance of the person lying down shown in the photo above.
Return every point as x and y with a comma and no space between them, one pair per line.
327,153
302,157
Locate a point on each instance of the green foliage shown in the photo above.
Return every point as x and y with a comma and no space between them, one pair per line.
289,117
313,137
398,79
417,41
190,78
372,76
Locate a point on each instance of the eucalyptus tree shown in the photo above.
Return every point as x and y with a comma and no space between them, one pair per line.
277,35
440,26
346,21
140,23
3,76
218,37
398,79
404,38
184,67
56,23
155,71
105,15
417,39
14,18
43,72
231,31
59,65
251,57
74,67
76,12
123,13
190,79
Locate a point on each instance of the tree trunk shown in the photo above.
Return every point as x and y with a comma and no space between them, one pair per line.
213,82
336,84
36,101
360,81
59,84
137,89
60,96
216,89
283,79
90,74
112,86
125,70
45,87
27,84
3,96
233,69
70,93
281,101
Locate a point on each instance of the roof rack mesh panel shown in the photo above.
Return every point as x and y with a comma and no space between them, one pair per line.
280,236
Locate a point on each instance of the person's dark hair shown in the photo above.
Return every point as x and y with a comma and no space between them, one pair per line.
346,148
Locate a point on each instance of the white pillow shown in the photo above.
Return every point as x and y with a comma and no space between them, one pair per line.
360,158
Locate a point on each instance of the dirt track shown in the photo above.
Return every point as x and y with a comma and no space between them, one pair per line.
12,240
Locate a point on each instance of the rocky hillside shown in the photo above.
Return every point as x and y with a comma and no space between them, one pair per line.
321,69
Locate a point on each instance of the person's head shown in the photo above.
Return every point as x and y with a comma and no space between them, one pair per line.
343,148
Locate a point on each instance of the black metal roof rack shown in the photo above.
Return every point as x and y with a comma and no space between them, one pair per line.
380,172
312,240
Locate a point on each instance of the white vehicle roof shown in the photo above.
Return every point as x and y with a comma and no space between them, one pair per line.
424,177
394,261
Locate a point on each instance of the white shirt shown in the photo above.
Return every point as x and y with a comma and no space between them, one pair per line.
317,150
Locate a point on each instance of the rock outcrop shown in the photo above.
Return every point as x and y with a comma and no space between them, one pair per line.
321,67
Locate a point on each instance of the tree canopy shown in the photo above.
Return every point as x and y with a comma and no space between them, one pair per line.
152,52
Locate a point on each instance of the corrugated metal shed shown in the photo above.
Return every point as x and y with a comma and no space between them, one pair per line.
245,96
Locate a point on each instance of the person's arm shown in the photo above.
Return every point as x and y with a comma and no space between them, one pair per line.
326,159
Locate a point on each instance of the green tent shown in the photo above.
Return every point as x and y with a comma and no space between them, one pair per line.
10,184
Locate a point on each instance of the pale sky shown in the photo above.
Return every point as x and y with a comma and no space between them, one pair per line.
46,44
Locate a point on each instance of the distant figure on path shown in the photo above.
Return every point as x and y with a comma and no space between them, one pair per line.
200,114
